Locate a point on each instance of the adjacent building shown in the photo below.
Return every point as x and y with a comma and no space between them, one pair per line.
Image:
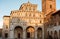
53,25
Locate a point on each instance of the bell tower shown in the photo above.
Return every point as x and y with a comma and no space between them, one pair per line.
48,6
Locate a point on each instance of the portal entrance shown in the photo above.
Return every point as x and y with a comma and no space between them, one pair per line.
18,32
39,33
18,35
30,32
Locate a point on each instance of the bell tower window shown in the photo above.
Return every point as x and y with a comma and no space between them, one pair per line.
51,6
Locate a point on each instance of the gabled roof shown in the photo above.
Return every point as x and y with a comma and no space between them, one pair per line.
57,12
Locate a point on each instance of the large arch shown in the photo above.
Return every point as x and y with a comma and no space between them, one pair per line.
39,33
18,32
30,32
55,35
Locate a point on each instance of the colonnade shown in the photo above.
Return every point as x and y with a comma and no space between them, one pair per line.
27,32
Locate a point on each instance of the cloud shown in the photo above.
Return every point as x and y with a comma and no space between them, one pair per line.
1,23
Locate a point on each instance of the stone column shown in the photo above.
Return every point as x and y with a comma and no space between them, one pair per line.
24,34
35,33
43,33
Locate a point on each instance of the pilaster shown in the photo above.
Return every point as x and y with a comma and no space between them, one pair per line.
24,33
35,33
11,34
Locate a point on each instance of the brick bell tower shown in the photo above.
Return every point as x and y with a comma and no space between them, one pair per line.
48,6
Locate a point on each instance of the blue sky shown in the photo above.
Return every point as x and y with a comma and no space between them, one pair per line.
6,6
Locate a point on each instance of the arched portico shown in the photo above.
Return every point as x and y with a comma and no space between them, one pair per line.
18,32
26,32
30,32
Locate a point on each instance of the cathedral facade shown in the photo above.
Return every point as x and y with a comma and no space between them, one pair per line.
28,22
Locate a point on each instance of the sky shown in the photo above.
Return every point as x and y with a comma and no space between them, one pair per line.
6,6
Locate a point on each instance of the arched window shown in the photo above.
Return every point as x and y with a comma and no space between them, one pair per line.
6,26
40,21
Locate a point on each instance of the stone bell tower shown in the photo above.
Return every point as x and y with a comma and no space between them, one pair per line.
48,6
